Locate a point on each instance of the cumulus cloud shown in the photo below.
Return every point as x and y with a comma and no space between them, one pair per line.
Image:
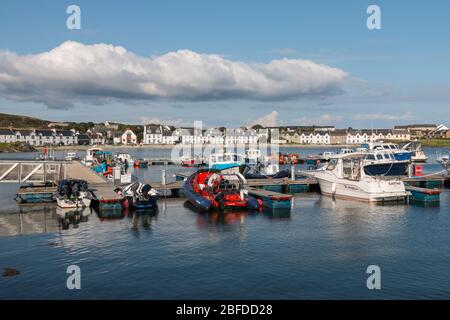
383,116
77,73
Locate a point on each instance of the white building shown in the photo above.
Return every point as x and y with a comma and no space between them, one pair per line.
128,137
7,136
315,138
160,134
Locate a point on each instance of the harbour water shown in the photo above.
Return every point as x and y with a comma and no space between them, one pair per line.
318,250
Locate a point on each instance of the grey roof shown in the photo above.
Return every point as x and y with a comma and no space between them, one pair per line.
45,133
6,132
64,133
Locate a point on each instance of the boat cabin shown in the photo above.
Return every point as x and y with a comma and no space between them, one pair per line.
348,167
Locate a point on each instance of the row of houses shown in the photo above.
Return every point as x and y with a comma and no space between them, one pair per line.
161,134
340,136
55,137
156,134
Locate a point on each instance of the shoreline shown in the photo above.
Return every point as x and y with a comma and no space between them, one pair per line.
431,144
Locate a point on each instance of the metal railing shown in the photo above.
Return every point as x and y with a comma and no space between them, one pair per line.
32,171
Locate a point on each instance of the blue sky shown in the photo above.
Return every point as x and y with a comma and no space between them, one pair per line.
399,74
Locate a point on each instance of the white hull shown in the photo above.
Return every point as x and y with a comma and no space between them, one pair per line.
82,202
365,190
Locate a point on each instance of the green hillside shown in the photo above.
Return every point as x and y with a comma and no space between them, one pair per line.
17,121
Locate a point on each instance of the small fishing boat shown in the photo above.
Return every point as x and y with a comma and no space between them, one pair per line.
140,163
211,189
262,171
415,147
140,196
261,167
191,162
71,156
124,158
225,160
344,177
72,193
95,156
444,161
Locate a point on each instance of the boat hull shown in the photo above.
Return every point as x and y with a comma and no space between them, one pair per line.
403,155
369,192
78,203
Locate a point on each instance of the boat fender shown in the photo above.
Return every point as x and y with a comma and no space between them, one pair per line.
260,202
333,188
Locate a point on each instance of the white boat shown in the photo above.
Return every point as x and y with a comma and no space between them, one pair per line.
444,161
393,148
415,147
72,193
83,201
70,156
225,160
344,177
121,157
90,157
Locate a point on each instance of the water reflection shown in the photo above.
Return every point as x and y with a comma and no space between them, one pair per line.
69,217
143,218
29,220
111,214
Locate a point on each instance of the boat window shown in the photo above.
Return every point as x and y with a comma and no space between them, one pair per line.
386,147
352,169
371,157
332,164
386,156
379,157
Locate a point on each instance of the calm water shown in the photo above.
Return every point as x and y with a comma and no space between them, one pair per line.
321,249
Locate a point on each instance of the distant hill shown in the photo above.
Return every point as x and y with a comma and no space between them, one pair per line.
17,121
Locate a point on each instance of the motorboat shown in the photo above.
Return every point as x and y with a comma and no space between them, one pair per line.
393,148
261,167
140,163
95,156
415,147
344,177
72,193
269,171
191,162
124,158
140,196
213,190
71,156
225,160
444,161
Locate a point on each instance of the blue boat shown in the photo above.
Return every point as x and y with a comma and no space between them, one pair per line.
399,154
140,196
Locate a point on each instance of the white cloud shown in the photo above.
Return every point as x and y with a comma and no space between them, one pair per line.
76,73
383,116
269,120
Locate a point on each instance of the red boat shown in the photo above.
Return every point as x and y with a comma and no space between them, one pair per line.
191,162
210,189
